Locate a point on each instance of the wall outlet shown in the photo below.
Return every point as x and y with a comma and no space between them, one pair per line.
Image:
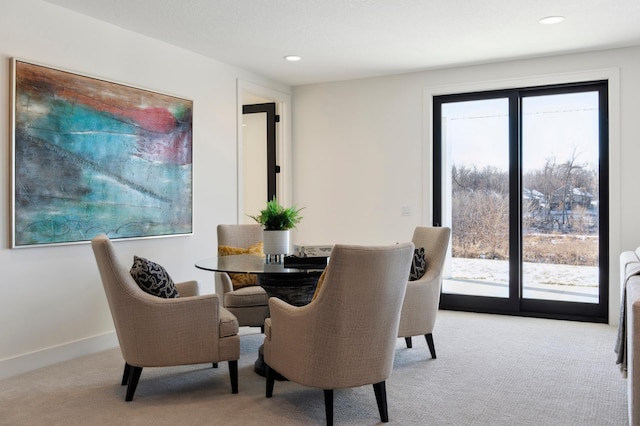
405,210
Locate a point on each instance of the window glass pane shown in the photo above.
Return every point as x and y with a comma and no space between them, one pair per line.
560,197
475,140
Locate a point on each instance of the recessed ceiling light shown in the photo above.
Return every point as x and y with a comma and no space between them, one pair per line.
552,20
292,58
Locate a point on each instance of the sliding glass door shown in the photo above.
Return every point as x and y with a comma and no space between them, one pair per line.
521,178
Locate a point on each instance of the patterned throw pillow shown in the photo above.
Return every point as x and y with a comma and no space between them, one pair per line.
242,280
418,264
153,278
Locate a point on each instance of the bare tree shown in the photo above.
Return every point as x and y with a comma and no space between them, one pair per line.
560,184
481,206
558,198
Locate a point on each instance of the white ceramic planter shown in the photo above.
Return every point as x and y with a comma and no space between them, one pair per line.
275,242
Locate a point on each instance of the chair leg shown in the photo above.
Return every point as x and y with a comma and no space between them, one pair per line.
134,376
270,381
407,340
125,375
233,374
380,390
214,365
328,406
432,348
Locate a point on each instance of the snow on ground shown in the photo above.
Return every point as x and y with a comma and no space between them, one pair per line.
544,281
542,273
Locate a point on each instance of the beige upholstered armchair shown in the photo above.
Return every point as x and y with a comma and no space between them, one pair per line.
346,336
422,299
249,303
158,332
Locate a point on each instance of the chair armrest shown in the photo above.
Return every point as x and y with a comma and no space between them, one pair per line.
425,281
291,323
163,328
285,308
292,333
423,293
288,318
429,275
188,288
223,283
420,306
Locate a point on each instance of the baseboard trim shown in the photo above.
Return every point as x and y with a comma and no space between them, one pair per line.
46,357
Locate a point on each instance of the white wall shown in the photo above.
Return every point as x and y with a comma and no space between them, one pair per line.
362,148
52,305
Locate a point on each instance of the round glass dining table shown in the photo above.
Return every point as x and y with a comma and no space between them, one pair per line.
293,285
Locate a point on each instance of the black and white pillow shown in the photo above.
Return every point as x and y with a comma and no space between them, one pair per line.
153,278
418,264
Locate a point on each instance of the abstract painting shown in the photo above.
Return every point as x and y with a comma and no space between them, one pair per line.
92,156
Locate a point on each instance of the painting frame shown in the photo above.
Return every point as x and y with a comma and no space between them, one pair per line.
90,156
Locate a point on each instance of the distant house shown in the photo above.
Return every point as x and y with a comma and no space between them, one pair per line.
567,197
582,198
562,198
534,198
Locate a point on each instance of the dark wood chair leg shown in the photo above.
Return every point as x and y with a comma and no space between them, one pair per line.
380,390
214,365
125,375
262,329
233,374
270,381
432,348
328,406
408,341
134,376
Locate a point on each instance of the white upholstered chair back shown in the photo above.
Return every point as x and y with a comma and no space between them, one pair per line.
249,304
421,303
346,337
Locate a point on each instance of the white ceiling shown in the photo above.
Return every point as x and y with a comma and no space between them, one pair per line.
347,39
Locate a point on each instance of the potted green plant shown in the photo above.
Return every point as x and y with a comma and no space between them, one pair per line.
277,221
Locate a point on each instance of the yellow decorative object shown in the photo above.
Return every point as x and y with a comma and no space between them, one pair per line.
242,280
320,281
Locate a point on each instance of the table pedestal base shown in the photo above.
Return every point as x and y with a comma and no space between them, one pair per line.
295,289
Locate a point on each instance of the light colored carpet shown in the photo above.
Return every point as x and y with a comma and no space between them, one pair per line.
491,370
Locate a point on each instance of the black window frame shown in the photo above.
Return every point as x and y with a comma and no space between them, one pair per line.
514,304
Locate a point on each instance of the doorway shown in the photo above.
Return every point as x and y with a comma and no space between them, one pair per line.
259,156
521,176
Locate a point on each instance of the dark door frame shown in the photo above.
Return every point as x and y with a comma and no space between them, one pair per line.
272,118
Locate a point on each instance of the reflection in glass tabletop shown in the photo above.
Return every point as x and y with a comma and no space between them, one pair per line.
249,263
293,285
